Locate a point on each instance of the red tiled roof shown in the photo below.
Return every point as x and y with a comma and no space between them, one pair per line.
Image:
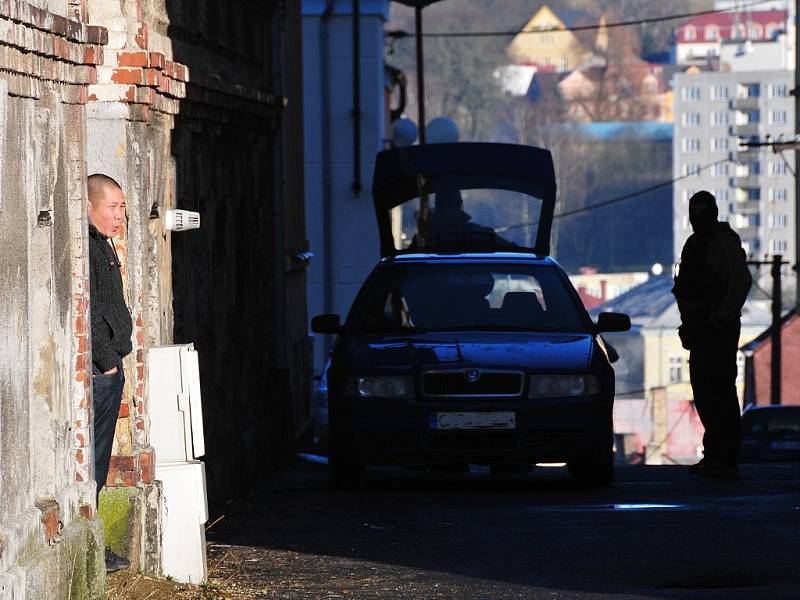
589,301
725,22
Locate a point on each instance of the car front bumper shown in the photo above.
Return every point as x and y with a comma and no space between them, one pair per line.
391,431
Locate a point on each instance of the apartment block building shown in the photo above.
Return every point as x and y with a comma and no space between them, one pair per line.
715,112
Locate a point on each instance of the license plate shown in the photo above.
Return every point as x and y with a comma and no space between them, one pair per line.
473,420
785,445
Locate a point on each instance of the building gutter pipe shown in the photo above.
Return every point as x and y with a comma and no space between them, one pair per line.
325,92
356,97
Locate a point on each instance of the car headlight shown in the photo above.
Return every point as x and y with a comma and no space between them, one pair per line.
381,386
552,386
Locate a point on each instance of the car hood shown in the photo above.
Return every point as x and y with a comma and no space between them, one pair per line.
554,352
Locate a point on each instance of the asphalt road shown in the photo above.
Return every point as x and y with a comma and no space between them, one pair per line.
658,532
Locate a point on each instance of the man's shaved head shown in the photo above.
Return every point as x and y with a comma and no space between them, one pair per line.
106,209
98,185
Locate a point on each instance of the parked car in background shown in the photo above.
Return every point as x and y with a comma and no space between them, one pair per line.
463,346
770,433
319,408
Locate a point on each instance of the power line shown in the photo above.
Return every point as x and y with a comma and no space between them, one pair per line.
463,34
622,198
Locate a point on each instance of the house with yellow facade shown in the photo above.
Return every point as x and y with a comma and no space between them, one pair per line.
545,42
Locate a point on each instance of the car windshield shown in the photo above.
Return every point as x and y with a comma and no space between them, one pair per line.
456,218
785,419
459,297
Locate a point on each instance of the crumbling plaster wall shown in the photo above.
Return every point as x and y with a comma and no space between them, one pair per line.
130,116
49,534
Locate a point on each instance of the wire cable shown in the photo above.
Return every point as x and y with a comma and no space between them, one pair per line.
644,21
786,162
622,198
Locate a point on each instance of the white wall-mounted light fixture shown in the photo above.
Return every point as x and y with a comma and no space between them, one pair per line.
181,220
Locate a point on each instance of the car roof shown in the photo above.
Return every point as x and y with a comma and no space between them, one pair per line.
470,257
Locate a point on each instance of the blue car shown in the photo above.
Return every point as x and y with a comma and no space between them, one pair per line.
467,344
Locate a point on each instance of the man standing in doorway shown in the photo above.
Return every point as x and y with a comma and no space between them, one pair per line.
111,326
711,288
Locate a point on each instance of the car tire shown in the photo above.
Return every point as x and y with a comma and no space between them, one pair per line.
595,469
344,470
344,475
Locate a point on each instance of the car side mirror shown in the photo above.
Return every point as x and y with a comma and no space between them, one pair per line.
328,323
610,321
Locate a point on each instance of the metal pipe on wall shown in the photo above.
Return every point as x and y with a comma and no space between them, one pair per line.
327,213
356,98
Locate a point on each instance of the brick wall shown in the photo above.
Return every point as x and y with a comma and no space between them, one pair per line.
790,366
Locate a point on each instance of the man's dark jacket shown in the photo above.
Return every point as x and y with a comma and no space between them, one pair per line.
111,320
714,279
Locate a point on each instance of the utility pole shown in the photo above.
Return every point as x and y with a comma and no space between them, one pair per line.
775,374
775,329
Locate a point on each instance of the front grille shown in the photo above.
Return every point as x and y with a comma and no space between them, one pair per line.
472,382
546,439
473,443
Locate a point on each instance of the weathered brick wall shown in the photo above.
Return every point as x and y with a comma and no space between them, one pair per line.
790,366
130,116
47,59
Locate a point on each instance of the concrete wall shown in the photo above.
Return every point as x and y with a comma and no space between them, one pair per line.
50,539
353,249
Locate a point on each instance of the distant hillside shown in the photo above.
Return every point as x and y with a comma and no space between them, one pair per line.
511,15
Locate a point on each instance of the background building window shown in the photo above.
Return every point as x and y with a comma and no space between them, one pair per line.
690,92
720,170
675,369
776,167
778,246
719,92
753,116
689,33
712,33
719,117
753,194
749,90
691,145
719,144
777,117
691,119
691,169
776,221
777,194
777,90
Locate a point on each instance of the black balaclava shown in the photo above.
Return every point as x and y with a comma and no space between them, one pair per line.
703,212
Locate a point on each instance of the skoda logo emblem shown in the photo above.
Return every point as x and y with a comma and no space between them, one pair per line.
472,375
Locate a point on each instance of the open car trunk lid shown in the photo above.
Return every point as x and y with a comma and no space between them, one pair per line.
445,172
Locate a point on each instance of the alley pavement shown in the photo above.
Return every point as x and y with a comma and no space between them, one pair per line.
658,532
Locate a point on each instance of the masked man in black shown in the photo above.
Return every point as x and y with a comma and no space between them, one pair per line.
711,288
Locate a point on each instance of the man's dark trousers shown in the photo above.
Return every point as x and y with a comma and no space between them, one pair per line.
712,368
107,392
